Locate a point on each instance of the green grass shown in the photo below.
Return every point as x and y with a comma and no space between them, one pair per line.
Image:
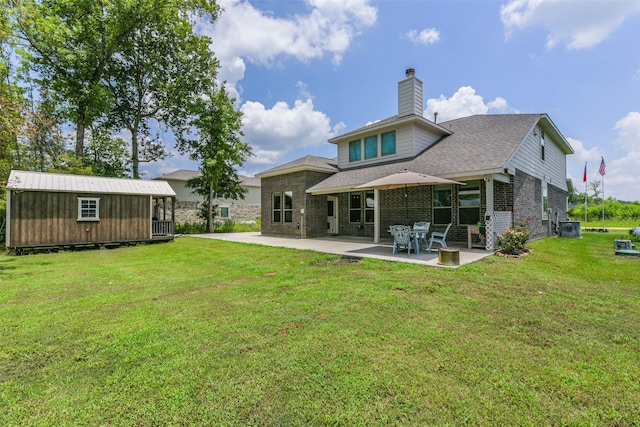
205,332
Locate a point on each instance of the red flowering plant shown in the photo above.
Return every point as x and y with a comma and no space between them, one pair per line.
514,240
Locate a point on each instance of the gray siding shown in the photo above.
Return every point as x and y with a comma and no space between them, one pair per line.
553,170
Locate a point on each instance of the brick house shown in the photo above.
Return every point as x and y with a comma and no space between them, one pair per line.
513,167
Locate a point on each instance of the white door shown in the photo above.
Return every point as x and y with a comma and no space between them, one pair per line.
332,215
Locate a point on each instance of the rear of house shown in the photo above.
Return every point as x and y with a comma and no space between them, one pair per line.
57,210
512,168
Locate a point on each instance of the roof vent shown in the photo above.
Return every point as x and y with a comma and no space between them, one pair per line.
411,72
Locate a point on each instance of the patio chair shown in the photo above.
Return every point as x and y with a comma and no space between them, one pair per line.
439,237
421,229
402,237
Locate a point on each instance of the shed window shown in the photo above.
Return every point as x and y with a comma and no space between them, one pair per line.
88,209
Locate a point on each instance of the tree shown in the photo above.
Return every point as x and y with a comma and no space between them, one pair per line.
155,77
106,155
219,149
594,186
12,100
72,42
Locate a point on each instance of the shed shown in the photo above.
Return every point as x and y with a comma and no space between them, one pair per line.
58,210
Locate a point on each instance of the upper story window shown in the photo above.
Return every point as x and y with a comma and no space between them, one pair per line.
442,204
389,143
88,209
373,146
541,145
355,151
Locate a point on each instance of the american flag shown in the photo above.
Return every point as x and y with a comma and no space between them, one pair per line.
603,167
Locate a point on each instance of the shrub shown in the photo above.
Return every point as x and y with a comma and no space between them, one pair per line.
514,240
188,228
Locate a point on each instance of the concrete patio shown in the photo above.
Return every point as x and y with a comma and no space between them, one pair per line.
360,247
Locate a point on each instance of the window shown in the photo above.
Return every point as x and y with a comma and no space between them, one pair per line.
88,209
371,147
355,207
542,145
224,212
277,207
288,206
469,203
389,143
355,151
545,202
442,204
369,207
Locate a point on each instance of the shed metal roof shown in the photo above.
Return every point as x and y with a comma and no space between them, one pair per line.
40,181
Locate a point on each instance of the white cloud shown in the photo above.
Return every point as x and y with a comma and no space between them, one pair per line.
243,32
465,102
275,131
576,25
621,178
629,132
426,37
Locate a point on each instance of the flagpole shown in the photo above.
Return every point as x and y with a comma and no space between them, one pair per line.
586,203
602,172
602,203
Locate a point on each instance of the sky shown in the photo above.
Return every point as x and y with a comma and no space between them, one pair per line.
303,72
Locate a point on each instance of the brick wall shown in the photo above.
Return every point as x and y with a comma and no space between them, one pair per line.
313,222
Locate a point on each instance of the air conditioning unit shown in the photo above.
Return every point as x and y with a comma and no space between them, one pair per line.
570,229
619,244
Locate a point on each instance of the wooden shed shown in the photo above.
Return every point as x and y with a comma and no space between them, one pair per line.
57,210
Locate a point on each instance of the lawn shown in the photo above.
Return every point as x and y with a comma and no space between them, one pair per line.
205,332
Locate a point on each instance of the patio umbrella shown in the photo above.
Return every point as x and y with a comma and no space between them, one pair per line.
404,179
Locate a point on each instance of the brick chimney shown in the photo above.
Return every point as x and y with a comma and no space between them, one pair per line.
410,95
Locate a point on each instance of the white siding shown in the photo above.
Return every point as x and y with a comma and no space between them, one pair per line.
553,170
423,139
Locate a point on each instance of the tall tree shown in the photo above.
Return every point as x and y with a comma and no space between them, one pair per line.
72,42
155,78
12,99
219,149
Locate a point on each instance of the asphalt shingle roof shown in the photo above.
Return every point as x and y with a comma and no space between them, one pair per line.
477,143
186,175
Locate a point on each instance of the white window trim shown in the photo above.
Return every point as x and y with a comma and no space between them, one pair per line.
97,210
228,208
